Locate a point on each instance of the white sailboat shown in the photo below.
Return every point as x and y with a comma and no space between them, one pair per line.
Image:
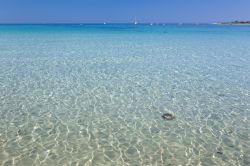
135,21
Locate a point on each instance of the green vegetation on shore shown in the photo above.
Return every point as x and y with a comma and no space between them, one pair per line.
234,22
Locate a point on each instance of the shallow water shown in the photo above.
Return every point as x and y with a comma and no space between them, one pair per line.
95,94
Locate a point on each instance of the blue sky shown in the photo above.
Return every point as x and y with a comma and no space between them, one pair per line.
94,11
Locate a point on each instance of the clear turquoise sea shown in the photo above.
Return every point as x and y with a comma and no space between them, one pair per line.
94,95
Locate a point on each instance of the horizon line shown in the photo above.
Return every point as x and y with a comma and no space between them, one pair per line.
103,23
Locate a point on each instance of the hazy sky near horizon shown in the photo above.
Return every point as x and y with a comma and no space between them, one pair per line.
95,11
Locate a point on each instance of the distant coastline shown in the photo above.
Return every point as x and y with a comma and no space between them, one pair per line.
234,22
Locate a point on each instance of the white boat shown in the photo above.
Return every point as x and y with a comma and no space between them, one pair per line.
135,22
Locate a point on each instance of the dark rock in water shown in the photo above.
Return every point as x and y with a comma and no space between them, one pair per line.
219,152
221,95
168,116
19,132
